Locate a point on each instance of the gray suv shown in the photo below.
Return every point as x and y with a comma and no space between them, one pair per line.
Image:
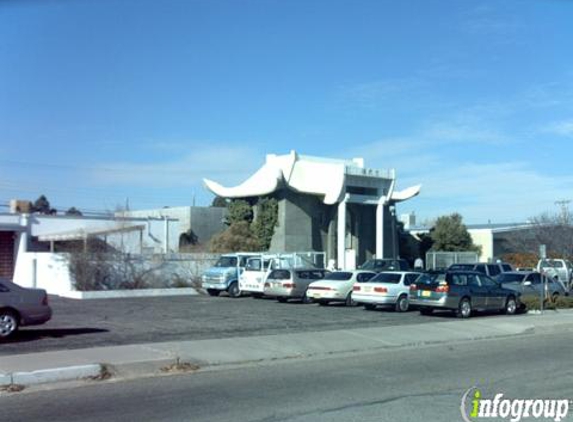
462,292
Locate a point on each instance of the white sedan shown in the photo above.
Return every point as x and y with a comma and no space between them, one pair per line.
387,288
337,286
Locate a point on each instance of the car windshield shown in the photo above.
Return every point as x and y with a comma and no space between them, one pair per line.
280,275
339,276
510,278
393,278
226,261
372,264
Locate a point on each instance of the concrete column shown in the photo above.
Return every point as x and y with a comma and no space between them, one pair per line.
380,208
341,233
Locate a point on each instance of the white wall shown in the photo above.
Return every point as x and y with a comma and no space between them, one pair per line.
483,238
43,270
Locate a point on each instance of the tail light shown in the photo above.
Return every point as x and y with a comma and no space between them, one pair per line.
45,300
319,288
380,289
289,285
443,289
413,287
355,288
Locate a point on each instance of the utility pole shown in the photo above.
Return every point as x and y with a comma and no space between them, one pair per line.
564,205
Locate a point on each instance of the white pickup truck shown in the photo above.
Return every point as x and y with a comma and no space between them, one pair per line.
558,269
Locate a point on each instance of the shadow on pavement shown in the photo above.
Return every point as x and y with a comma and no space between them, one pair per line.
26,335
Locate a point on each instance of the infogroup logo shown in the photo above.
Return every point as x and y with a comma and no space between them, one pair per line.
475,407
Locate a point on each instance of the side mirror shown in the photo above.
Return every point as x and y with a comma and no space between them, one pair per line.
527,283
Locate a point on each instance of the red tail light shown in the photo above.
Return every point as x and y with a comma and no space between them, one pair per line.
380,289
413,287
443,289
355,288
289,285
319,288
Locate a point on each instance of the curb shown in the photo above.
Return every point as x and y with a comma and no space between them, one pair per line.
43,376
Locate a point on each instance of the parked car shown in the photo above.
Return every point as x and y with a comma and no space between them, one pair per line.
20,306
462,292
285,284
337,286
532,284
490,269
387,264
224,276
387,288
560,269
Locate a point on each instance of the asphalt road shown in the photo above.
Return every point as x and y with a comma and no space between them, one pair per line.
103,322
414,385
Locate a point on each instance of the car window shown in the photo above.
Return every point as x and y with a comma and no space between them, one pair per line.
410,278
362,277
458,279
487,282
535,278
506,267
339,275
493,269
558,264
280,275
393,278
253,265
480,268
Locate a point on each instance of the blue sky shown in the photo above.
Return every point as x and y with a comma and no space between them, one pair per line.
104,101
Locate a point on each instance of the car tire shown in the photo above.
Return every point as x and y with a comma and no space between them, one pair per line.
369,306
213,292
305,298
464,308
349,301
282,299
8,323
426,311
234,290
402,304
510,306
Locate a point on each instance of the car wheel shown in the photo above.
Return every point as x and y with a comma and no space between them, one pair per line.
510,306
369,306
402,304
8,323
282,299
464,308
426,311
349,301
234,290
213,292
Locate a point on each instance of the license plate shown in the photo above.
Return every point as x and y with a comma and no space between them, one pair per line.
426,293
367,289
315,295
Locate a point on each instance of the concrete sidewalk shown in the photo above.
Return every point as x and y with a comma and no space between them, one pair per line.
149,359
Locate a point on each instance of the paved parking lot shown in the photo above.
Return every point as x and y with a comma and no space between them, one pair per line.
103,322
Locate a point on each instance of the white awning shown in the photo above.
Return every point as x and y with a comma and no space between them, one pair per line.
80,234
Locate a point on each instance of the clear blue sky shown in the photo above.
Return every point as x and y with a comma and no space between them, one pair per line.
106,100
